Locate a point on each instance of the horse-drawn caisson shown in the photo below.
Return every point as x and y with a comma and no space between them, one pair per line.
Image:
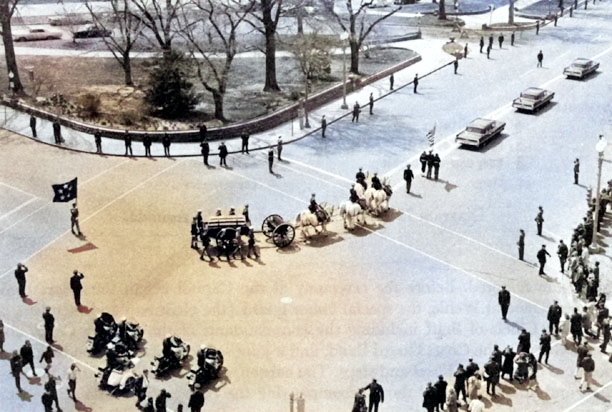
227,230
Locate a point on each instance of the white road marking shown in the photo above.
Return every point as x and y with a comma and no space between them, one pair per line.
581,401
18,208
17,189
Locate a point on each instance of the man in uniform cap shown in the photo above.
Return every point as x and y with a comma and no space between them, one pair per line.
542,253
196,401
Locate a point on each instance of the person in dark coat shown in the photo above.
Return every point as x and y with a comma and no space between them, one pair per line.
205,149
196,400
21,279
75,228
270,159
195,232
491,40
459,385
521,244
524,344
245,143
540,58
440,387
51,387
491,372
166,142
497,355
47,401
508,363
140,387
415,83
500,39
160,401
562,252
205,238
127,141
554,317
423,160
356,111
222,154
436,165
57,131
47,356
471,369
512,39
408,177
503,299
539,220
16,366
430,163
456,65
544,346
33,126
146,142
391,81
607,334
27,356
203,131
76,286
98,141
542,253
371,103
429,398
576,170
481,43
324,125
377,395
576,326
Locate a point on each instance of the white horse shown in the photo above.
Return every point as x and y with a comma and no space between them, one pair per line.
377,201
308,219
351,213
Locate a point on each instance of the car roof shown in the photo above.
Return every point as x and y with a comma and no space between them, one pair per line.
481,123
533,90
582,60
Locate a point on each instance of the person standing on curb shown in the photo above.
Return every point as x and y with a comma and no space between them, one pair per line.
481,43
205,149
415,83
512,39
521,244
356,111
576,328
503,299
554,317
456,65
127,141
323,126
371,103
98,141
21,279
540,220
74,220
222,154
33,126
270,159
57,131
76,286
279,148
166,142
408,177
245,143
542,253
391,80
72,381
576,170
146,142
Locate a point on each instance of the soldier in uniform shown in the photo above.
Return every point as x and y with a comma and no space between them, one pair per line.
540,220
562,252
222,154
323,125
74,220
195,231
245,143
251,245
481,43
279,148
436,165
205,149
21,279
33,126
521,244
16,366
270,159
504,301
554,316
544,346
313,207
356,111
146,142
542,253
127,141
376,185
76,286
353,194
491,370
576,170
415,83
27,356
430,163
49,325
377,395
205,246
423,160
408,177
98,141
360,177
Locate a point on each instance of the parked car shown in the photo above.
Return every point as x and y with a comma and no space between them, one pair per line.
533,99
70,19
90,32
580,68
479,132
36,34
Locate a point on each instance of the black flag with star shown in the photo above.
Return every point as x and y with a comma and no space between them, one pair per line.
65,192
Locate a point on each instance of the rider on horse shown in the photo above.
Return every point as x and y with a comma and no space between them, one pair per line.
316,209
360,177
376,185
355,198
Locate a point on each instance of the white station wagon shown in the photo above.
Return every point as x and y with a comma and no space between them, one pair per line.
36,34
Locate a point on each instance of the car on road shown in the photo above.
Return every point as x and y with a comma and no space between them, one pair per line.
36,34
90,32
580,68
479,132
533,99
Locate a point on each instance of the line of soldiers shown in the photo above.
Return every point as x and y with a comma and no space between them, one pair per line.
430,162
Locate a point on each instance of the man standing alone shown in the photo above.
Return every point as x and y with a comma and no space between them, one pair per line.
74,220
76,286
21,279
576,170
542,253
540,58
562,252
540,220
49,325
408,176
521,244
504,301
554,316
377,395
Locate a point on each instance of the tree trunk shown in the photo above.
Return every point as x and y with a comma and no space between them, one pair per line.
127,69
511,12
218,99
9,50
441,10
354,57
271,83
300,21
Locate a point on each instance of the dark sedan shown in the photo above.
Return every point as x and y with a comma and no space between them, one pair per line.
91,32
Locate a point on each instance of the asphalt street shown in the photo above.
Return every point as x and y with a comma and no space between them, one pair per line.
402,299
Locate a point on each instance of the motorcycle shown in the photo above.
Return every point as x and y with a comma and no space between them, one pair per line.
210,363
175,351
117,381
106,328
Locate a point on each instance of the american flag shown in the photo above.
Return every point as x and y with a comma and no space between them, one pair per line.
431,136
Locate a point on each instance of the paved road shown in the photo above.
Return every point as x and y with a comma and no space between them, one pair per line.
403,299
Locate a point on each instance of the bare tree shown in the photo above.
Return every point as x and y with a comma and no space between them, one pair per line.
358,28
511,11
441,10
128,29
159,16
7,9
267,13
214,30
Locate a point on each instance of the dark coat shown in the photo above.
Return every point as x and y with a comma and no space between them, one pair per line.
196,400
75,281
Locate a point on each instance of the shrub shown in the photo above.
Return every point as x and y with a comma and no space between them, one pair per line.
90,105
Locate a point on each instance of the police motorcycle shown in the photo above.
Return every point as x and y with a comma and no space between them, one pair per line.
117,376
174,352
210,363
130,334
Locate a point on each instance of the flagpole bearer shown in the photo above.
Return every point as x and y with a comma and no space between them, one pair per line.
65,192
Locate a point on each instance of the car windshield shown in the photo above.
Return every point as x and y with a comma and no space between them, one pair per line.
580,64
474,129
